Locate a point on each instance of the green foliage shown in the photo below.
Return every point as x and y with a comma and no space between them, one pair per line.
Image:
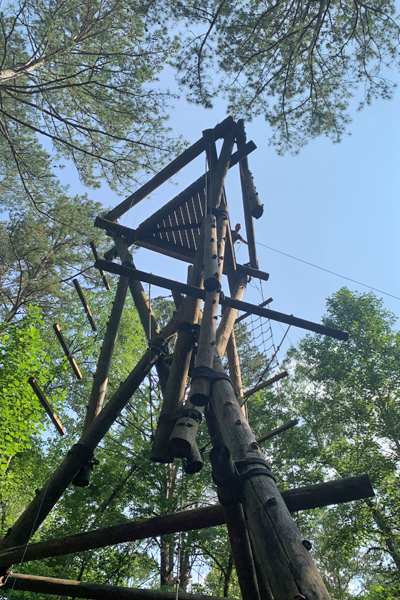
80,77
296,63
23,355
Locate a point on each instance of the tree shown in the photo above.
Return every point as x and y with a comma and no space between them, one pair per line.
346,395
296,63
77,83
42,253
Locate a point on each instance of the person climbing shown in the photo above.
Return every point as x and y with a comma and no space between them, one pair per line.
236,237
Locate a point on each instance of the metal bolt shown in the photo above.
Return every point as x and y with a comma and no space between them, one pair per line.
307,545
214,301
211,239
238,422
216,275
214,256
254,445
213,343
228,403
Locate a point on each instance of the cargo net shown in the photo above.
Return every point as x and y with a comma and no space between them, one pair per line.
257,348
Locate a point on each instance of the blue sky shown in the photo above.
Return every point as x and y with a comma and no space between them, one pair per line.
334,205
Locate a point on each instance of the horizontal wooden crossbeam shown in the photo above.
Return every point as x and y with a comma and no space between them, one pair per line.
95,591
304,498
190,290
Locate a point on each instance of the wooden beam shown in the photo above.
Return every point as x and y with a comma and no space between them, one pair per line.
85,304
264,384
277,431
288,566
169,171
94,591
103,275
256,273
170,284
242,317
224,475
67,351
248,217
255,206
47,407
305,498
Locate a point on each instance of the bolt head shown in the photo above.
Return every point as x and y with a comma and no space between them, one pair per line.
228,403
238,422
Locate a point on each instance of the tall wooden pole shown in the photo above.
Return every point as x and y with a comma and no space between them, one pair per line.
286,563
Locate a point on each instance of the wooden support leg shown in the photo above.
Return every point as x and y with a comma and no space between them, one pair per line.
277,542
100,380
235,372
224,474
173,394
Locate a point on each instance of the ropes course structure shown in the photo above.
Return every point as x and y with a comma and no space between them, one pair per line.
188,355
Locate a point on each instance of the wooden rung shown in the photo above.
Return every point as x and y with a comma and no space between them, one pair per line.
48,408
304,498
96,591
67,351
103,275
247,314
277,431
265,384
85,304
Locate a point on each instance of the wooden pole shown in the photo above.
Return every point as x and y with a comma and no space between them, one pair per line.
263,385
304,498
103,275
94,591
228,316
283,559
67,351
256,208
277,431
245,315
100,380
235,372
274,315
41,505
224,475
169,171
85,304
173,395
47,407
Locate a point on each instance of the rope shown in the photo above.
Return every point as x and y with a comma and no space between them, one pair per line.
30,535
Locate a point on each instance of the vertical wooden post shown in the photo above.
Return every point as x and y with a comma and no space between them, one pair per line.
224,475
248,217
173,394
100,381
235,372
282,558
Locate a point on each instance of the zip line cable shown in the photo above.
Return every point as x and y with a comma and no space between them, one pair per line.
328,271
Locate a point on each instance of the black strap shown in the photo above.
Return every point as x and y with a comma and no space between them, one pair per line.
264,469
188,326
178,414
82,451
209,373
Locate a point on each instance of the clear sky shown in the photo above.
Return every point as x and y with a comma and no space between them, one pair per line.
334,205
